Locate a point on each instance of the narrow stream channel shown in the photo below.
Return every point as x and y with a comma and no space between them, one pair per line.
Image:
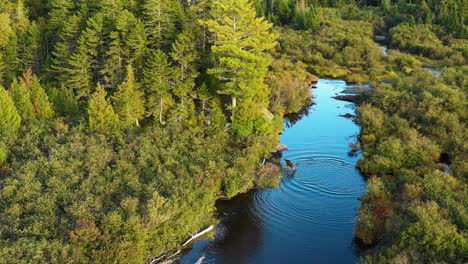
310,217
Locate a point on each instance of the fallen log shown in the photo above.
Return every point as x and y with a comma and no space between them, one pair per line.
164,260
157,259
208,229
200,260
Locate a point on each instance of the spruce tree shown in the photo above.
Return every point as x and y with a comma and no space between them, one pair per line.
64,101
63,49
185,54
38,100
7,31
22,98
112,70
129,102
32,56
101,115
126,46
10,120
59,13
42,107
162,20
200,10
111,8
133,35
30,98
84,64
5,37
158,83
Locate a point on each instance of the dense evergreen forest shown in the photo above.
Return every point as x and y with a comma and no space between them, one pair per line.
122,121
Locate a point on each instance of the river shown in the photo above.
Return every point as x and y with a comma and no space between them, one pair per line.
310,217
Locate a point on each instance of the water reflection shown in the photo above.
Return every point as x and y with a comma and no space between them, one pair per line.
293,118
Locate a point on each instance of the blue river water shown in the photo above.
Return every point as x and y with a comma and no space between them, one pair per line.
310,217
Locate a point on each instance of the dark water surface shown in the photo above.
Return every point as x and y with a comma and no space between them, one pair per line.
310,217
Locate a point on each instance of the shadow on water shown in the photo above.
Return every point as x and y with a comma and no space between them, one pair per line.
293,118
236,232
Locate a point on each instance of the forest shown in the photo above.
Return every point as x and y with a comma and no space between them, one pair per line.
123,121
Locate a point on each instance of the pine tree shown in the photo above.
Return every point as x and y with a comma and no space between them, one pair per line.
84,65
200,10
240,48
162,20
126,46
111,8
101,115
5,37
22,99
30,98
32,56
129,102
63,49
158,83
10,120
185,54
59,14
42,107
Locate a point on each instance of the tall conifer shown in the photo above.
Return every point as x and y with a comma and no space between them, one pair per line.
240,48
101,115
158,83
162,20
10,120
129,102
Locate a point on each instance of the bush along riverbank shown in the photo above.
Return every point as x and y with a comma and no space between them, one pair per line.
414,144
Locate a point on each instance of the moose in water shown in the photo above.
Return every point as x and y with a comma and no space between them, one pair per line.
289,163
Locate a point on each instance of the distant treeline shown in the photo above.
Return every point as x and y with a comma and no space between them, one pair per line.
302,14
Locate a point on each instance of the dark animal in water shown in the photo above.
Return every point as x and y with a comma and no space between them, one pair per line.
289,163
